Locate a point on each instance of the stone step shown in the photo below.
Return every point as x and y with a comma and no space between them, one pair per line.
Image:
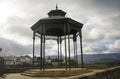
54,73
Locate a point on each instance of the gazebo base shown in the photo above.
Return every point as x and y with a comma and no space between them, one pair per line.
60,72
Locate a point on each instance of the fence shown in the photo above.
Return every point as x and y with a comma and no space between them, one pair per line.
1,65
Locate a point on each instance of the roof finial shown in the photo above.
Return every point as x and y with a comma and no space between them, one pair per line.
56,7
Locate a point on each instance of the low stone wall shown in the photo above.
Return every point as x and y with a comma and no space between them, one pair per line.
1,72
16,70
112,73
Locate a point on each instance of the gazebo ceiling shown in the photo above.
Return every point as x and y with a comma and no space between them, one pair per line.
56,22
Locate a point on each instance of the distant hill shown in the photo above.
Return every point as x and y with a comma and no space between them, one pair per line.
92,58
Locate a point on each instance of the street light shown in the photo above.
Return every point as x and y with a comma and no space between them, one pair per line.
0,49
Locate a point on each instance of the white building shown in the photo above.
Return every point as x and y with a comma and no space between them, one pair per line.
26,59
12,60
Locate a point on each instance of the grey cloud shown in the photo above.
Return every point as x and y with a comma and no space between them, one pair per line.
111,27
10,47
106,7
107,12
99,49
114,48
18,26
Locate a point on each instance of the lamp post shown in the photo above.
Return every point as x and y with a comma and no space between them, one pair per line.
0,49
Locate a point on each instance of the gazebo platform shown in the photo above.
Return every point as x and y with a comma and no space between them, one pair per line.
59,72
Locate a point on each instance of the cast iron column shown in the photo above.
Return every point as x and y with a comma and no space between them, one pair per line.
65,46
58,49
68,28
75,49
60,52
41,53
43,30
44,52
76,53
80,35
33,49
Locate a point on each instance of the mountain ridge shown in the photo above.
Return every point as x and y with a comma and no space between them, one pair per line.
90,58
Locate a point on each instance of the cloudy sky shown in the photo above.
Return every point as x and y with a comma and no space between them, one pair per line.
101,19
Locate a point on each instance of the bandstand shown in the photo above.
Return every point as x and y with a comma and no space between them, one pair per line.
62,29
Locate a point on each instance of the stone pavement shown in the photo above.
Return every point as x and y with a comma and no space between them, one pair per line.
18,76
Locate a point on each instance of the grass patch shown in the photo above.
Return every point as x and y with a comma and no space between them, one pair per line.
97,66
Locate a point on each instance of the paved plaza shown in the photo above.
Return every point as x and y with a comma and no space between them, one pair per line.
19,76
